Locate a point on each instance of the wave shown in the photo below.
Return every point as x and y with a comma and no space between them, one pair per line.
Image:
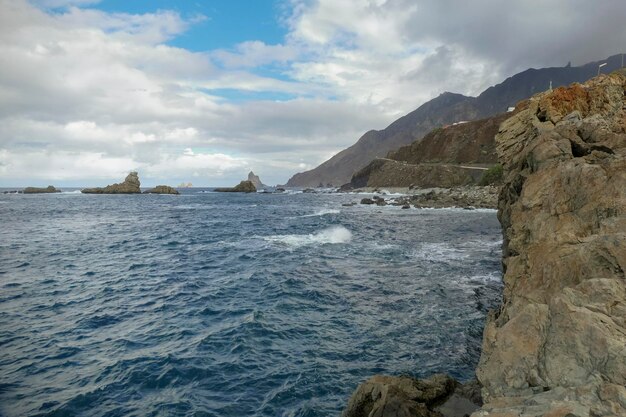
332,235
322,212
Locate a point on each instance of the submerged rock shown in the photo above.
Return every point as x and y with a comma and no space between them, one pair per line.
242,187
162,189
129,186
35,190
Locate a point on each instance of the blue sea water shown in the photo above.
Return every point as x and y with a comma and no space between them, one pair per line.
209,304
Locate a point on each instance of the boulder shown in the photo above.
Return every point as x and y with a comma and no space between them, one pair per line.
243,187
367,201
129,186
35,190
162,189
400,396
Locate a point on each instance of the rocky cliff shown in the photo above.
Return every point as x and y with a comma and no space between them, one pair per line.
129,186
443,110
557,345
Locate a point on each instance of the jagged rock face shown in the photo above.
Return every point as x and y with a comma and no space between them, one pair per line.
36,190
162,189
254,179
129,186
558,344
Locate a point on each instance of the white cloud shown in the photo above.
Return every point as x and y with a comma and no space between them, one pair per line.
86,94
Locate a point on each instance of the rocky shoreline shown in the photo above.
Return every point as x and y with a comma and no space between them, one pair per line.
467,197
557,345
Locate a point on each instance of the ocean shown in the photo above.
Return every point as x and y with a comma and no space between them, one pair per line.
213,304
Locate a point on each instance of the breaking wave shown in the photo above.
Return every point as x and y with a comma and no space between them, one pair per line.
333,235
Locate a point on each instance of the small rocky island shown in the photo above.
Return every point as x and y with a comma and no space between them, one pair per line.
162,189
242,187
130,185
35,190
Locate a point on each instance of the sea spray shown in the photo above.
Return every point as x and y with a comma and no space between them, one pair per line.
330,235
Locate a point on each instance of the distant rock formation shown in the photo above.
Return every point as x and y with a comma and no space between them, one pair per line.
129,186
446,109
185,185
254,179
162,189
35,190
242,187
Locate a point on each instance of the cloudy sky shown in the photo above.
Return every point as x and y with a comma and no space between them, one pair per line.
205,91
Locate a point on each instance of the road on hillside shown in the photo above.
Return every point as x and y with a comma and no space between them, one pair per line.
436,164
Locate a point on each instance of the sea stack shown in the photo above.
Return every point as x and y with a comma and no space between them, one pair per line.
256,181
129,186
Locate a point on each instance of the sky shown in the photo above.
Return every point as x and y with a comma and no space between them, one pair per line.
205,91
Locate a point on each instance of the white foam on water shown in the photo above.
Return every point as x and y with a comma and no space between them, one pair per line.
322,212
461,209
331,235
71,192
439,252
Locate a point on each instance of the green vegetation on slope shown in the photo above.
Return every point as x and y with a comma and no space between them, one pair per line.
492,176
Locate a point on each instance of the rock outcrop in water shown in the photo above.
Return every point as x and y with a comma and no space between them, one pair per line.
242,187
557,346
254,179
36,190
162,189
129,186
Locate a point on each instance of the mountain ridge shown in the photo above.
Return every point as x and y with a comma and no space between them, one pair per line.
447,108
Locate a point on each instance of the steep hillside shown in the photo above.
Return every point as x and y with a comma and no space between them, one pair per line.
446,109
446,157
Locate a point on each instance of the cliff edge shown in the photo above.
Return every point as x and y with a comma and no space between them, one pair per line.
557,347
